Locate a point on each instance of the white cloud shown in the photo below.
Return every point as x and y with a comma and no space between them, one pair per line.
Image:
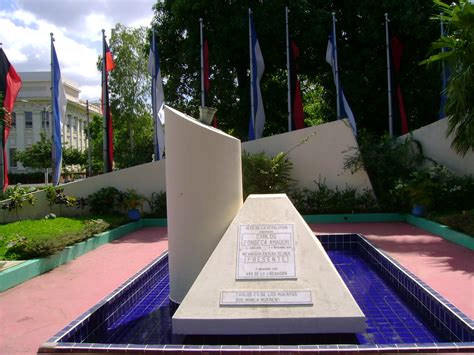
76,24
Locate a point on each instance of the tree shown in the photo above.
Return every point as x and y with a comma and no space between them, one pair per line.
39,155
361,49
130,88
73,156
96,142
459,56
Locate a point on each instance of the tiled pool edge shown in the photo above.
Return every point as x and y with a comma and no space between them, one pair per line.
20,273
408,281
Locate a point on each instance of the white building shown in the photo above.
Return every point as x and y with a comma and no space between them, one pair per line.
32,116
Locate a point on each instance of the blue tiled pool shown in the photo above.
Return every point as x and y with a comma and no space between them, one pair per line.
403,313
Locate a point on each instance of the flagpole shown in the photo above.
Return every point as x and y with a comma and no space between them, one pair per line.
389,78
89,153
444,78
203,95
251,73
53,123
336,70
156,156
288,68
104,106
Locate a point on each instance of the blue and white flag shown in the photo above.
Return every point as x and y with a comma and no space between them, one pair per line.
157,99
59,114
257,117
344,108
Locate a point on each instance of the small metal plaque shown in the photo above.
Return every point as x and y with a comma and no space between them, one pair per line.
266,298
266,252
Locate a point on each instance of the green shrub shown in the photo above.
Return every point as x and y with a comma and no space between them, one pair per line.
157,203
17,197
462,222
106,201
57,196
131,199
387,161
436,188
22,248
262,174
324,200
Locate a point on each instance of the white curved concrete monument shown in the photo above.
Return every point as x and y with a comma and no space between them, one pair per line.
204,193
268,275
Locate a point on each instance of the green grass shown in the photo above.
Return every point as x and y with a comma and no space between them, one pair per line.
30,239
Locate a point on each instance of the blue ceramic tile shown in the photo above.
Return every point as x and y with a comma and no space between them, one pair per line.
140,313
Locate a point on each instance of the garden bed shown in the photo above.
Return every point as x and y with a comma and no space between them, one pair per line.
28,269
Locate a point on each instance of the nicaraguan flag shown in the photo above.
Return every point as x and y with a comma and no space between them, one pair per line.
258,67
344,108
59,114
157,99
10,85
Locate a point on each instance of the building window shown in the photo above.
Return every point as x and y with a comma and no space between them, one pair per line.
12,158
45,120
28,119
13,119
69,118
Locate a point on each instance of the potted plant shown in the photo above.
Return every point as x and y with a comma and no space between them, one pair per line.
421,197
132,201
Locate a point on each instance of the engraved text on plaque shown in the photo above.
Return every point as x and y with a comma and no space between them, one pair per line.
265,252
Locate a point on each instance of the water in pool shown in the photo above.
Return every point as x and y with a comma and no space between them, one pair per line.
389,319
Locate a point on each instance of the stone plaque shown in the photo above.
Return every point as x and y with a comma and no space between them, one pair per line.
265,252
265,298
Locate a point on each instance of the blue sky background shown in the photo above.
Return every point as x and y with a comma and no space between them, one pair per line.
25,26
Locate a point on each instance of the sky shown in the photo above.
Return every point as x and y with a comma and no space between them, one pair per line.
25,27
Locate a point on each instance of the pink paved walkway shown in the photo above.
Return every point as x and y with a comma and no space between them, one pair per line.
447,267
34,311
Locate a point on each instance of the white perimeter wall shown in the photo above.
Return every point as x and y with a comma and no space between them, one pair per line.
319,156
145,179
438,147
318,153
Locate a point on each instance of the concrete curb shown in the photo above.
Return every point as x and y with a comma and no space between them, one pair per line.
15,275
442,231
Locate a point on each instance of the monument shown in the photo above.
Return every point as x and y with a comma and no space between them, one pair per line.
255,268
204,193
268,275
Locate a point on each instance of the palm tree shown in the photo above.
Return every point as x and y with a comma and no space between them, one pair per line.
459,56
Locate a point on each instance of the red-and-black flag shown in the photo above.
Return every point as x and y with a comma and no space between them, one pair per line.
10,85
108,64
297,113
400,123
